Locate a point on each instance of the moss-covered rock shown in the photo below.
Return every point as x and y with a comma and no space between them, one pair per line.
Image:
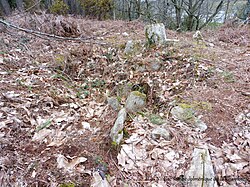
133,47
114,103
160,132
136,101
67,185
116,133
156,119
129,47
155,34
183,112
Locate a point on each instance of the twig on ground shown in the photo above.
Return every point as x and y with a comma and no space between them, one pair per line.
123,175
47,36
32,6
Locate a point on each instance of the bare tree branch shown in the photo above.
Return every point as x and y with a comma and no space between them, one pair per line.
51,36
213,15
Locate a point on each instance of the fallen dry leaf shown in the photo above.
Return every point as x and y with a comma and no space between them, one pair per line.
62,162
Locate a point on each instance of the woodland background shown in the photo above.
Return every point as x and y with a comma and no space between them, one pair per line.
175,14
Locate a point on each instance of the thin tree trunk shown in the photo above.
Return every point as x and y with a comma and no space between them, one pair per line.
218,8
178,17
4,5
138,9
19,5
226,12
177,6
38,5
190,17
123,9
129,11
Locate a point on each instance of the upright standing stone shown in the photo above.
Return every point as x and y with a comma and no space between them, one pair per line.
155,33
201,172
129,47
116,133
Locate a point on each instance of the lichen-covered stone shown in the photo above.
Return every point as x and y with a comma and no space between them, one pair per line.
116,133
181,113
200,124
155,33
201,169
133,47
159,132
114,103
136,101
155,66
187,114
129,47
156,119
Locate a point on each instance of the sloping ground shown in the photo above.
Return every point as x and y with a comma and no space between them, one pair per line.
55,122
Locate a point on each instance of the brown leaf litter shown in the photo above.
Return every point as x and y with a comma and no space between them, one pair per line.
55,124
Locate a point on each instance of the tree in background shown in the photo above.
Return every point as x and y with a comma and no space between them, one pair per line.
178,6
246,13
59,7
175,14
100,9
5,7
127,9
20,5
195,14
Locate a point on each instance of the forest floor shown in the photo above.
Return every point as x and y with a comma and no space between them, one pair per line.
55,120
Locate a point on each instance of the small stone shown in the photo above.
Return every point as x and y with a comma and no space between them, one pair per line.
114,103
125,34
136,101
154,64
181,113
187,114
200,124
198,36
129,47
159,132
86,125
240,118
156,119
